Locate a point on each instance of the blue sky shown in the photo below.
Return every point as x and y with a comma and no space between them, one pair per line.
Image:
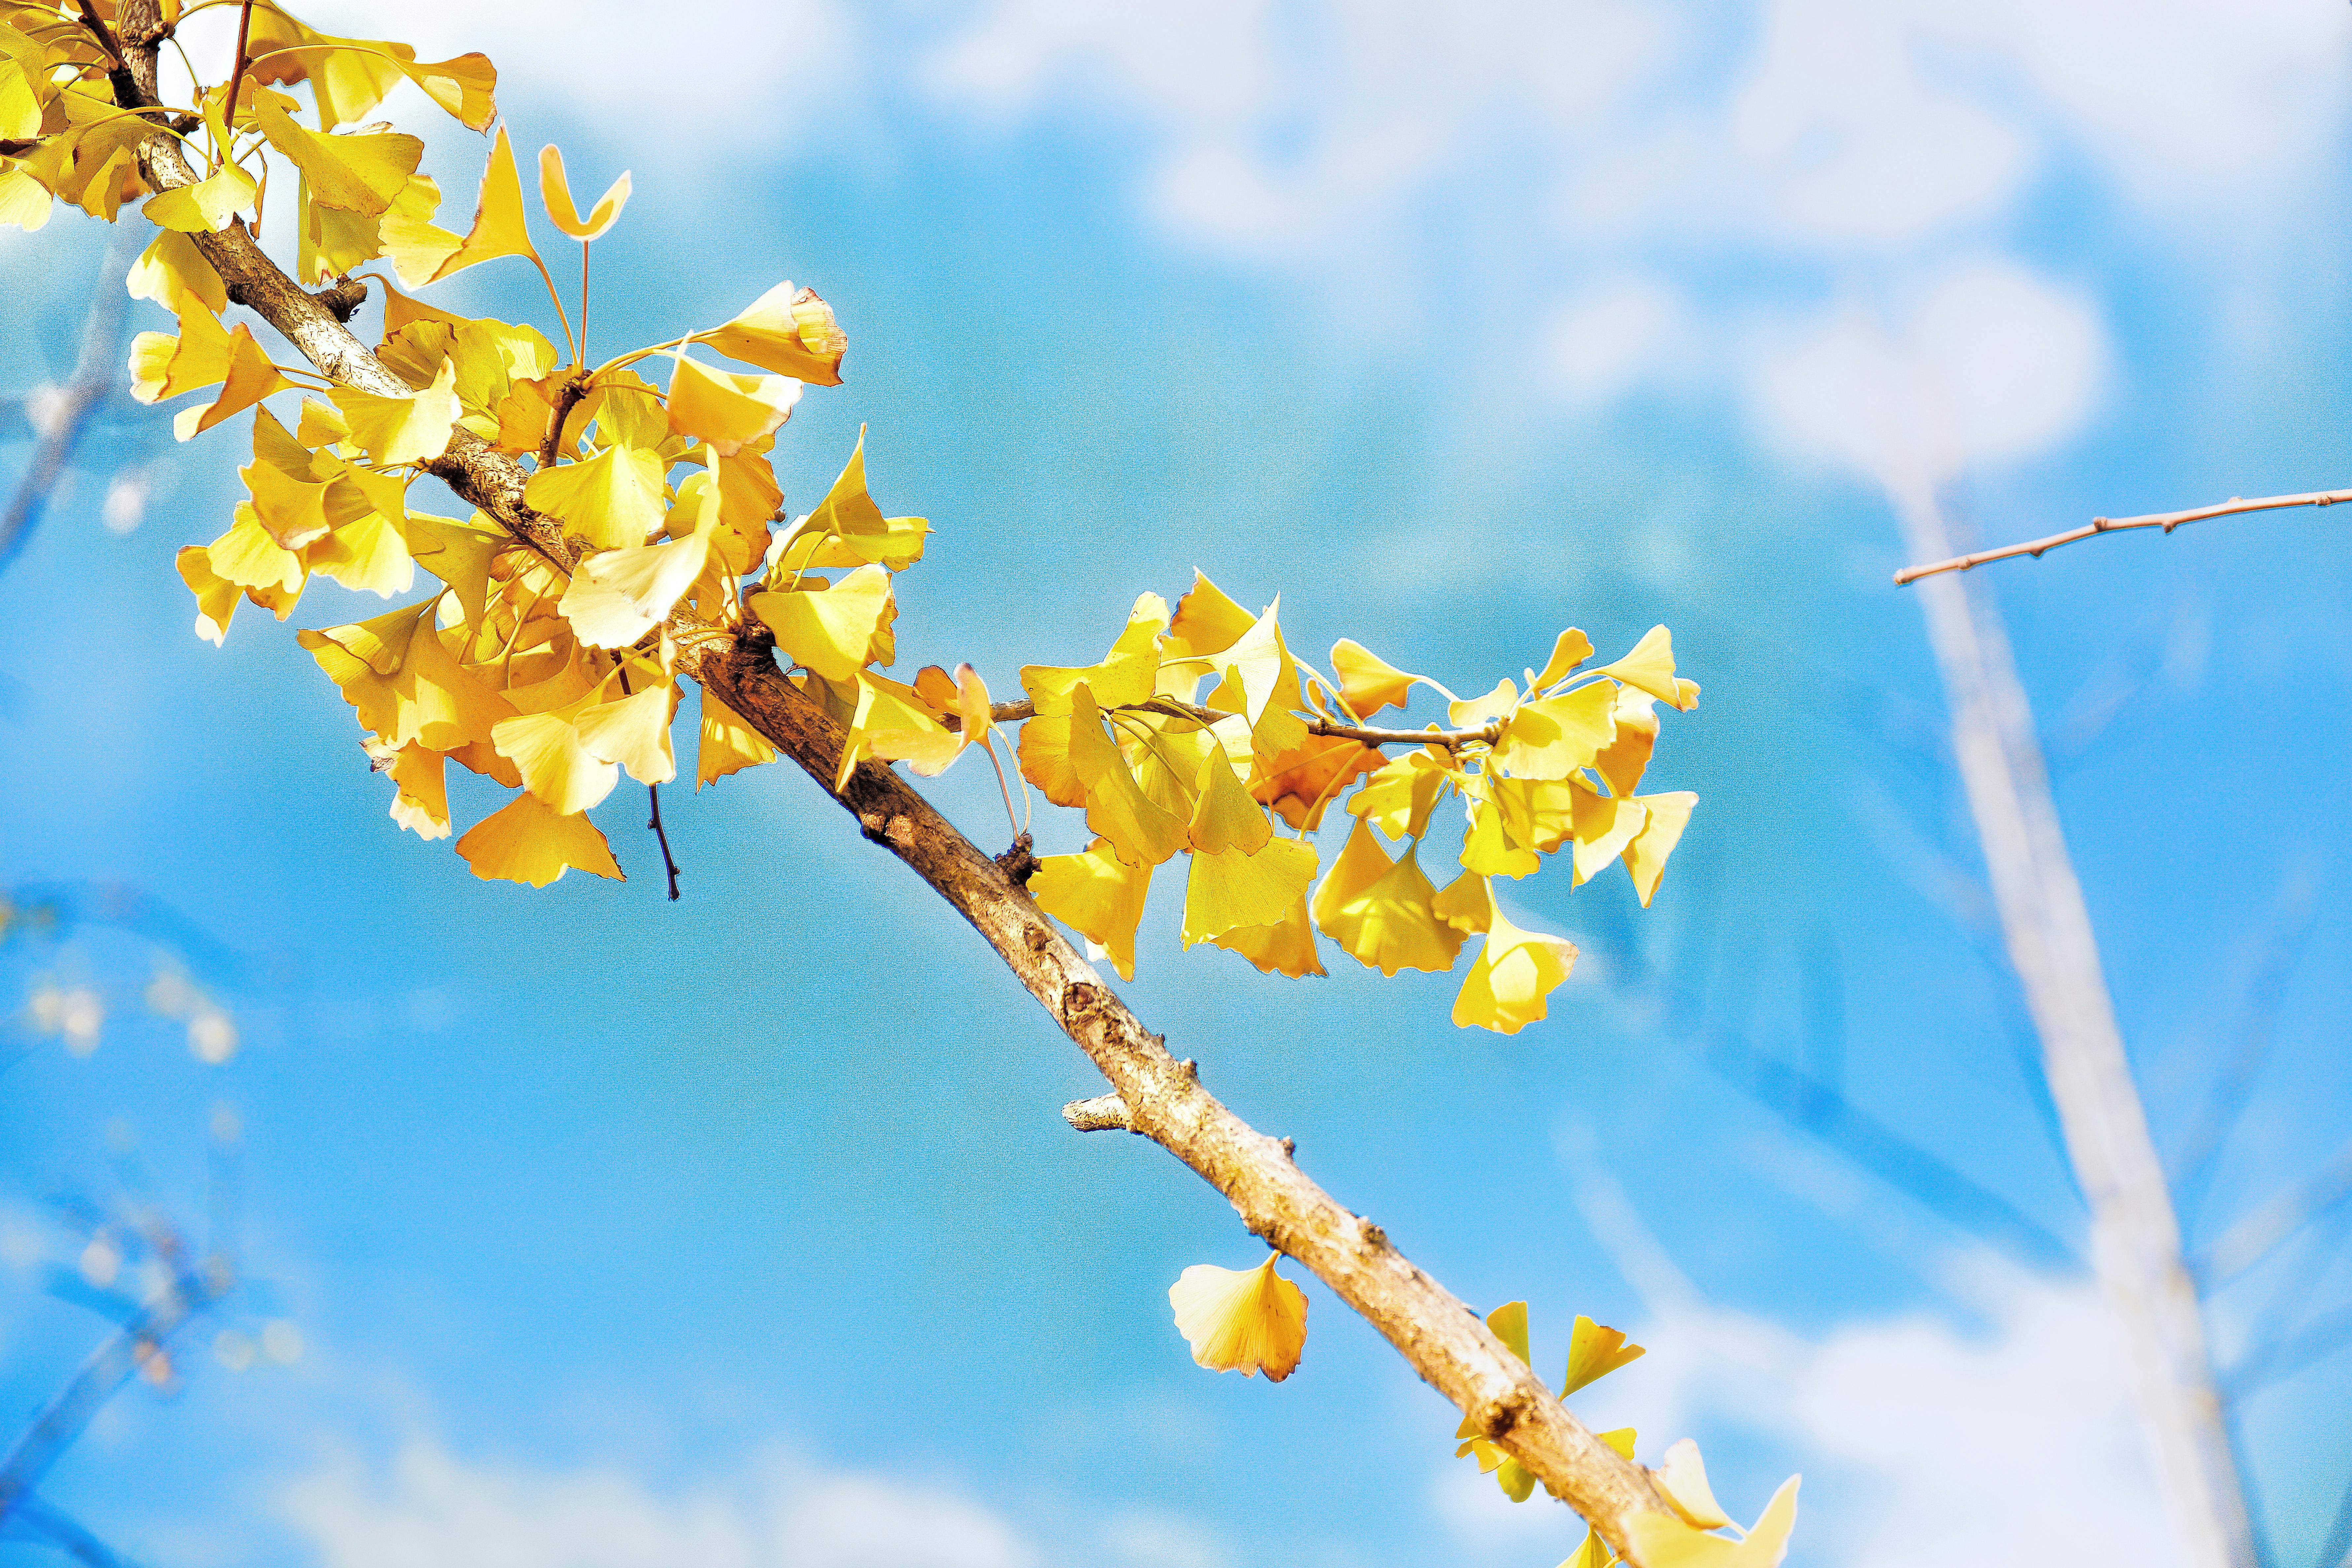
743,1230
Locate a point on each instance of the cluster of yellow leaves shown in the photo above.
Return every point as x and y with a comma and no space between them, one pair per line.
1685,1539
554,683
1199,729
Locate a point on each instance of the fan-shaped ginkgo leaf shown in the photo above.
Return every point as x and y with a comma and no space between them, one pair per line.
555,193
1651,666
619,595
633,731
500,227
1645,855
789,330
528,841
612,500
835,630
1666,1541
1571,649
1593,1352
1681,1475
1506,988
1242,1319
1235,890
1367,682
1285,947
726,743
725,409
1225,817
396,431
1098,895
358,174
1380,912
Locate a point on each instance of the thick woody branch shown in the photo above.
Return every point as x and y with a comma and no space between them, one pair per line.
2167,520
1434,1330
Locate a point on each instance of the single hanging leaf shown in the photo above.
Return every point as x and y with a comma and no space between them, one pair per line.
1477,712
1593,1352
1285,947
1234,889
1683,1477
1398,798
1506,988
1645,855
726,743
420,801
1124,678
1380,913
788,330
528,841
251,377
1623,761
163,364
555,195
1664,1540
1226,817
1601,827
216,597
1098,895
500,227
1207,621
204,207
1245,1321
170,267
1498,841
1651,666
546,751
892,722
1367,683
728,410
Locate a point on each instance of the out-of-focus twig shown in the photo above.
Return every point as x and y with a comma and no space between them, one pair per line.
61,424
2167,520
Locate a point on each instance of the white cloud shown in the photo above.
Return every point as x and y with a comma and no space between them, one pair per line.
1614,336
1982,360
435,1509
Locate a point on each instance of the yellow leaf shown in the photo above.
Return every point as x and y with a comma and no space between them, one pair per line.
1380,912
848,530
1477,712
420,801
1554,736
1645,857
1506,988
790,332
165,365
358,174
1466,904
546,749
1398,798
1683,1477
528,841
20,104
1122,680
1248,1321
1302,782
728,410
501,228
294,512
1572,649
893,724
1601,827
204,207
1498,842
1225,817
366,555
1366,682
1624,759
398,431
613,501
1207,621
833,631
632,731
1594,1553
249,557
1232,889
1285,947
1097,895
1144,833
619,595
726,744
25,202
251,377
1651,666
1663,1541
459,553
1260,664
417,248
1593,1352
216,597
555,193
170,267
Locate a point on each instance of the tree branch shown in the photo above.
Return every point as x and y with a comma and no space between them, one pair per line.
1435,1331
95,373
2167,520
1362,734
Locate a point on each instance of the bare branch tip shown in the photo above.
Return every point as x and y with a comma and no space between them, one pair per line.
1103,1113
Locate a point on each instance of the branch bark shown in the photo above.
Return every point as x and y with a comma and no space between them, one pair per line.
1439,1335
2167,520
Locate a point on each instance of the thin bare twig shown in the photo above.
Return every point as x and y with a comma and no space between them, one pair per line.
669,867
2258,1233
2167,520
1362,734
